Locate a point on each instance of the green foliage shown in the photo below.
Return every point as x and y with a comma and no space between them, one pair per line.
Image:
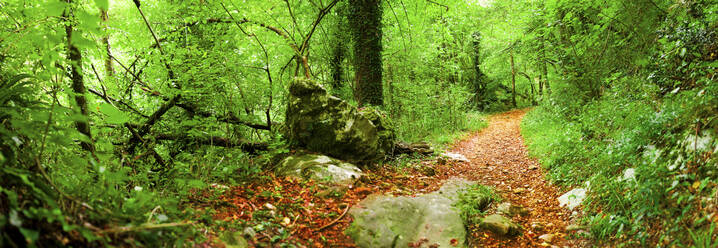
474,201
194,92
649,108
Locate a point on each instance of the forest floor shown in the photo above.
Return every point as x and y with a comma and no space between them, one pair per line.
285,210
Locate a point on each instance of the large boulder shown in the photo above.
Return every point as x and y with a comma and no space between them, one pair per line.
326,124
320,168
384,127
430,219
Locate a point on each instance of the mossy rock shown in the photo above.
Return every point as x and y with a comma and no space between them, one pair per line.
320,168
387,221
325,124
385,129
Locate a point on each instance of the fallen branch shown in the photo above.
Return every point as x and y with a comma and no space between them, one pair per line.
229,118
245,145
334,221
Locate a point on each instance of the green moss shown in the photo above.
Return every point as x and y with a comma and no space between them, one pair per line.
326,124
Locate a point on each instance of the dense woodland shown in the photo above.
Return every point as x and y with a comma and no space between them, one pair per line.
121,120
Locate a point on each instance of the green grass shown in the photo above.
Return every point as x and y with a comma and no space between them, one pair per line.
475,121
474,200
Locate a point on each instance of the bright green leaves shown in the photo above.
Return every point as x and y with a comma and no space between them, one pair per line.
54,8
114,115
103,4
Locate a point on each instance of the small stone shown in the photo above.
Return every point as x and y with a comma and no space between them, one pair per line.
500,225
441,161
270,206
511,210
547,238
286,221
429,171
538,226
455,157
533,167
249,232
573,198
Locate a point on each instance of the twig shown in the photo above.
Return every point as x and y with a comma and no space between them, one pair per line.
336,220
142,227
447,7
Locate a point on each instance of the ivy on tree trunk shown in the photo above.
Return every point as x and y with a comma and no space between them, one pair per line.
365,22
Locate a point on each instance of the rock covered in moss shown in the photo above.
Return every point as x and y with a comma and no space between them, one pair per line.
320,168
385,129
326,124
431,219
500,225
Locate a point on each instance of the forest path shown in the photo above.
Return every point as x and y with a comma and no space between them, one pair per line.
499,158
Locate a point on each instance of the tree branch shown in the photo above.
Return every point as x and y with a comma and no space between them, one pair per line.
245,145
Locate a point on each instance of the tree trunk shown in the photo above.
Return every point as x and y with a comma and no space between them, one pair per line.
78,86
336,65
544,70
513,80
365,21
106,43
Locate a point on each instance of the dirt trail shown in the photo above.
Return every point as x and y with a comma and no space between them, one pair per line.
500,159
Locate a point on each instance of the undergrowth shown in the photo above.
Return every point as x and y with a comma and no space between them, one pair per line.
473,202
649,164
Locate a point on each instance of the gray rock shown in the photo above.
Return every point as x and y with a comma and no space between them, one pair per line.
511,210
386,221
320,168
548,238
573,198
326,124
701,143
500,225
629,175
455,157
249,232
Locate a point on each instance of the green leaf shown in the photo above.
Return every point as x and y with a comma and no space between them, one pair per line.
30,235
103,4
114,115
55,8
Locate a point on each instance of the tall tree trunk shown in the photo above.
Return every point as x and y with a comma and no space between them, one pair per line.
106,43
513,80
78,86
365,21
544,70
336,65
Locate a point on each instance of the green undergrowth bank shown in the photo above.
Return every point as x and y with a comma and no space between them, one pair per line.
649,163
473,122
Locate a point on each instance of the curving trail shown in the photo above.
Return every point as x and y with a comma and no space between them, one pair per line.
500,159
